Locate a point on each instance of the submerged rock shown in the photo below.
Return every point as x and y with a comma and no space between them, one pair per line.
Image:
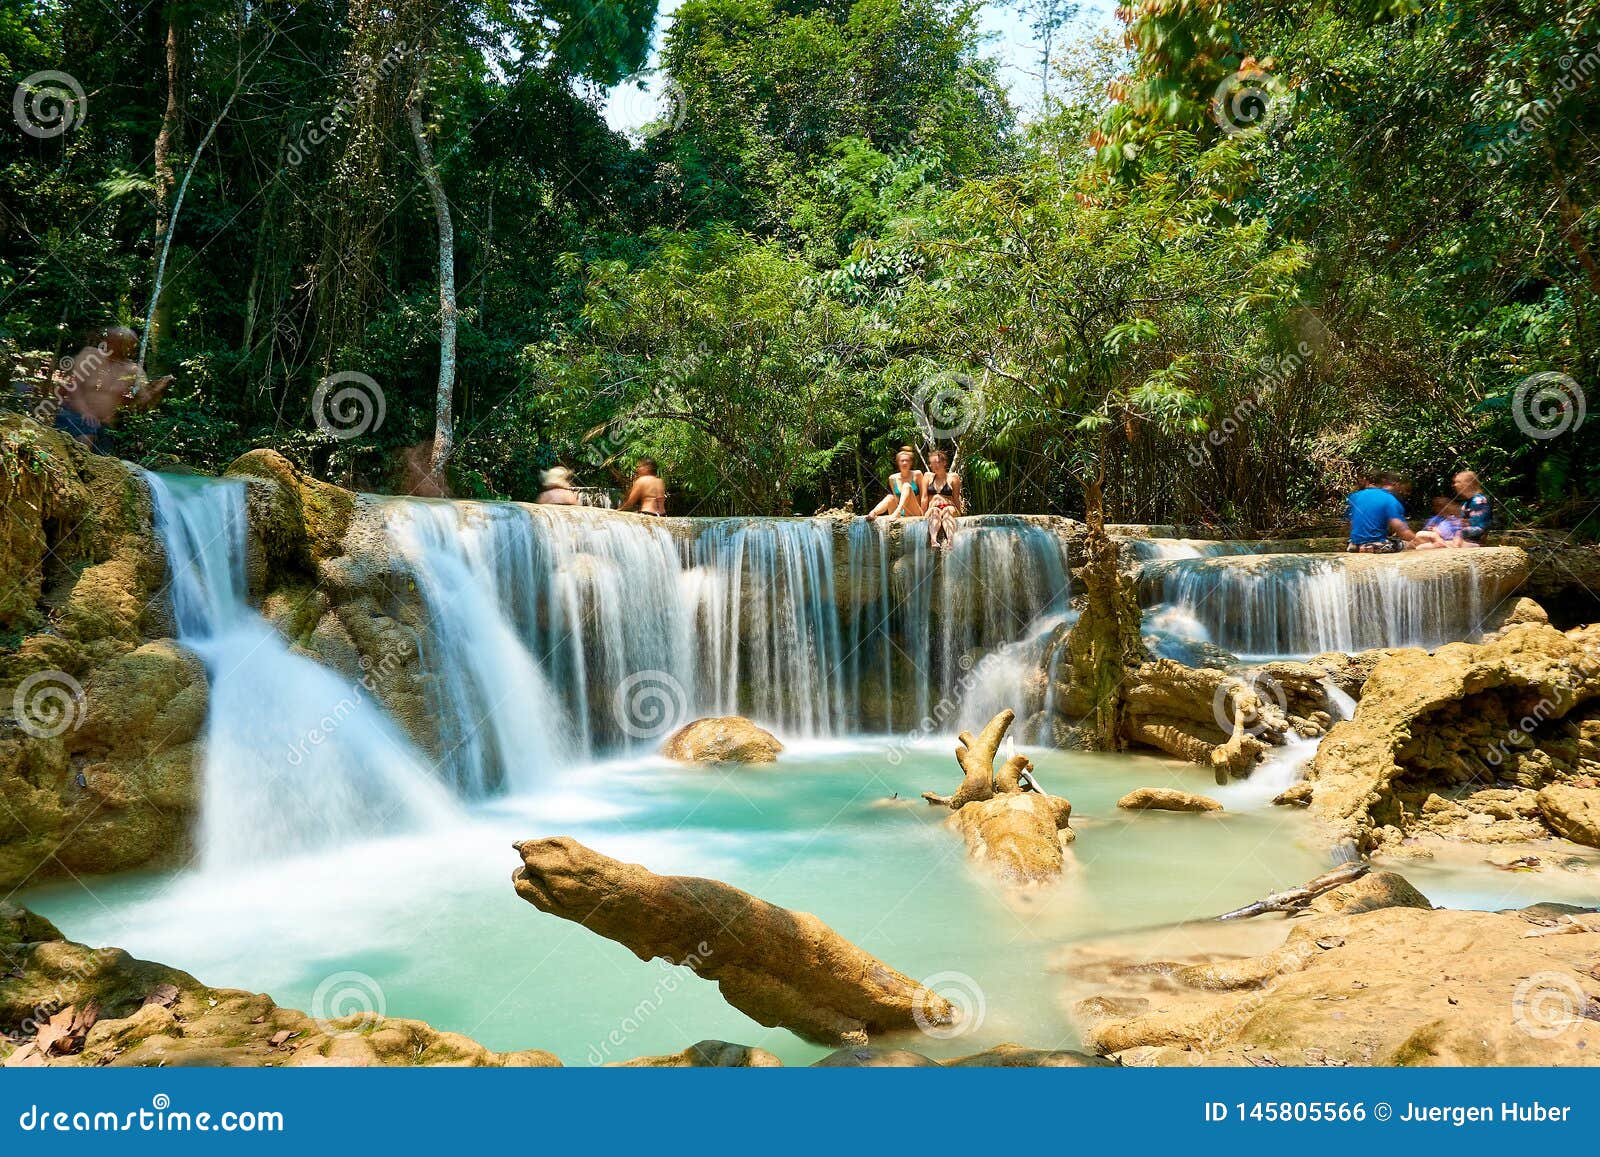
722,739
1167,799
1399,986
778,967
1369,893
707,1054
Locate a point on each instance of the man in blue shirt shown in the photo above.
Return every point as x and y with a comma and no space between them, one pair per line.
1475,508
1377,518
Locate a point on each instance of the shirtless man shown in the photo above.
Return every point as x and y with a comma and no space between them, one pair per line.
104,379
649,493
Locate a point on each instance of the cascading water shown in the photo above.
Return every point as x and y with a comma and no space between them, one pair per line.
296,759
1267,606
634,625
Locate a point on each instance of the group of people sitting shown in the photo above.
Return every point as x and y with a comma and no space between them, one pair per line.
934,494
1378,525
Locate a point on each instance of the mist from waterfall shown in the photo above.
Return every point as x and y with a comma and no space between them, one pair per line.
296,758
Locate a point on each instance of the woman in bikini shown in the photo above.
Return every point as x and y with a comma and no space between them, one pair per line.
905,489
943,491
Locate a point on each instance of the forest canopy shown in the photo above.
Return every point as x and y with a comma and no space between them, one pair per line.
1227,257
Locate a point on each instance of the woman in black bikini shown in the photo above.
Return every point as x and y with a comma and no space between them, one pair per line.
944,499
905,489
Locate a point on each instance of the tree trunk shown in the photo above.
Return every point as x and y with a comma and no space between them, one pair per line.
1104,645
443,424
166,177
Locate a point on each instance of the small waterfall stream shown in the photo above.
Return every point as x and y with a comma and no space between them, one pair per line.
295,758
1296,605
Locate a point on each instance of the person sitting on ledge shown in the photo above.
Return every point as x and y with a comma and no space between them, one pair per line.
1377,517
905,489
944,500
648,493
104,379
1443,529
1475,508
557,489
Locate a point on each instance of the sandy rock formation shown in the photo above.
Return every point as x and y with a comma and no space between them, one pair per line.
707,1054
722,739
1459,742
1015,832
1167,799
133,1012
1218,719
1572,812
1401,985
778,967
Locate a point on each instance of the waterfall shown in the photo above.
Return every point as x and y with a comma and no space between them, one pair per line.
1267,606
613,630
296,758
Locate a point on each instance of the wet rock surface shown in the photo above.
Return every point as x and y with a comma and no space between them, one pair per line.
722,739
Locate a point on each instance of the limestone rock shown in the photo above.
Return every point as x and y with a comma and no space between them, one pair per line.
1019,836
722,739
1572,812
776,966
863,1057
1012,1056
1369,893
1397,986
1167,799
1508,715
707,1054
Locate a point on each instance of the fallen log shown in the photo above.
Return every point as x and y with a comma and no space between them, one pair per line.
780,968
1296,898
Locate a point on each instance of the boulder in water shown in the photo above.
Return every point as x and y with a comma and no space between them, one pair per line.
707,1054
722,739
778,967
1167,799
1572,812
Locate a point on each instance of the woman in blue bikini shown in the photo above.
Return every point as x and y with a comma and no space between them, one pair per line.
905,489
